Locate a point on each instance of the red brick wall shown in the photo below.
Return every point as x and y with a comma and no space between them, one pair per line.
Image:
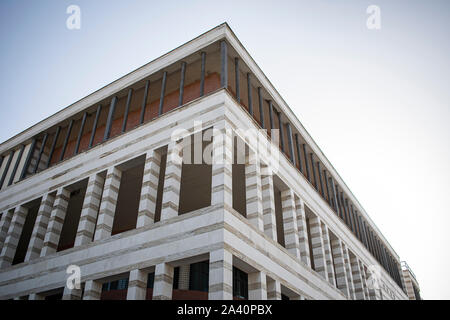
191,92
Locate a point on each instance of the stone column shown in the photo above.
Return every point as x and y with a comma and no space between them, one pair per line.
318,246
222,162
268,200
108,204
56,221
290,222
409,285
402,278
71,294
90,209
92,290
40,227
273,289
302,231
5,222
220,275
348,270
253,191
172,181
137,285
257,289
328,253
357,279
149,191
163,284
13,236
362,269
339,264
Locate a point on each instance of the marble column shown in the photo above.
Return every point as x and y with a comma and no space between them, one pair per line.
162,288
92,290
273,289
108,204
318,247
137,285
257,289
357,278
149,191
328,253
302,231
222,166
348,270
40,227
90,210
5,222
56,222
290,222
339,265
220,275
253,191
172,181
268,201
13,236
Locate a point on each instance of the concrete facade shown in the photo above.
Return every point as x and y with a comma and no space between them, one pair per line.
128,206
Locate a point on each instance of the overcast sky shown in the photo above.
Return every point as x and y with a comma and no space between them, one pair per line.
377,102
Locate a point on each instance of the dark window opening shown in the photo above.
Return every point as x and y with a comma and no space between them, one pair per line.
120,284
162,173
27,230
127,208
150,280
238,180
72,218
55,296
240,284
279,216
176,277
199,276
311,253
195,188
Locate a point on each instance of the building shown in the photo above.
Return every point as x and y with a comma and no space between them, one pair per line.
106,185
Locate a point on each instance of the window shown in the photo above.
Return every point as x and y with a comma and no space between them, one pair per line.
26,233
150,280
121,284
128,198
279,216
311,252
240,284
176,277
199,276
55,296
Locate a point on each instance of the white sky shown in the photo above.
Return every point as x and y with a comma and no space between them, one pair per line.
375,101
